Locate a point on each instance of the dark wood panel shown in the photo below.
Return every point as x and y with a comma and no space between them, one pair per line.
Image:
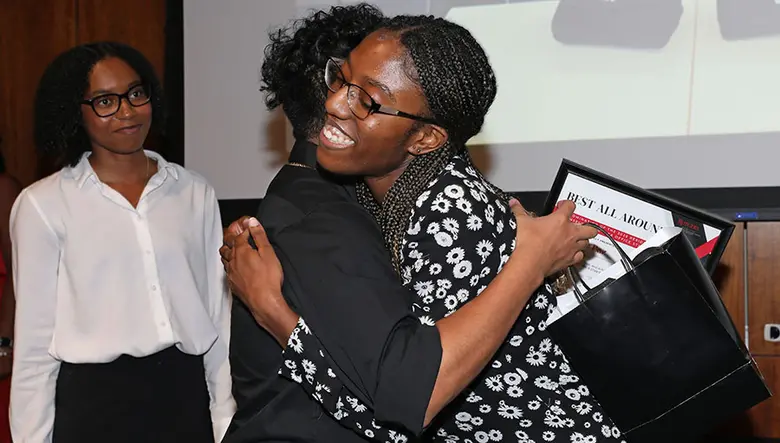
32,33
763,246
140,23
730,277
765,417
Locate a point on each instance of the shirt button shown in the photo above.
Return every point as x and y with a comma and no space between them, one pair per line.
163,324
154,287
148,252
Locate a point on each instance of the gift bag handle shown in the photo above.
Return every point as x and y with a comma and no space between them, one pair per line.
627,263
572,272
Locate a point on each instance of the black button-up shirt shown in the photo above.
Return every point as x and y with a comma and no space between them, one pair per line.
336,270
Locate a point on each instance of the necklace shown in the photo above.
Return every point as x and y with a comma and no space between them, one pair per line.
300,165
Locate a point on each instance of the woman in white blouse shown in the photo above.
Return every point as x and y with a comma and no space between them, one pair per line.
122,308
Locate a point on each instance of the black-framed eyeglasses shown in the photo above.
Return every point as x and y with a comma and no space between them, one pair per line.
360,102
106,105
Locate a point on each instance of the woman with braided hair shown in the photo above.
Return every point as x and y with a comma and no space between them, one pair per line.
449,230
400,110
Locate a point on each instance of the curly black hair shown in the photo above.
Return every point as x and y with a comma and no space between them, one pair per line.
294,67
458,86
58,121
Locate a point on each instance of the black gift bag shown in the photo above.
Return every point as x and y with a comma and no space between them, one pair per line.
635,24
658,349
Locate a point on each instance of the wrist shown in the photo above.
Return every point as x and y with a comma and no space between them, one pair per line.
525,266
276,318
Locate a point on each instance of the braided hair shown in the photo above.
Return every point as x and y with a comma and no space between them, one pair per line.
58,127
458,84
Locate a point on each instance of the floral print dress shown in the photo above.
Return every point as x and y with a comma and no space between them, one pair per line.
460,235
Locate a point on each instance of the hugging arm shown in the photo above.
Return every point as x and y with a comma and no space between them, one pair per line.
360,326
358,349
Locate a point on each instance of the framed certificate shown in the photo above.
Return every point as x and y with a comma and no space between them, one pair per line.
632,216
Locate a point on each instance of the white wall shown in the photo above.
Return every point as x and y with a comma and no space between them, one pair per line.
698,111
229,135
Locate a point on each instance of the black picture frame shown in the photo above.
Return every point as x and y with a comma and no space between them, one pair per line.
569,167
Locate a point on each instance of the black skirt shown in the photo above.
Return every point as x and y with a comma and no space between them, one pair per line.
159,398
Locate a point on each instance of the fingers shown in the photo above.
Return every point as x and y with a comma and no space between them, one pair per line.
242,240
237,227
518,209
225,252
583,244
578,257
585,232
258,233
233,230
247,221
566,208
229,237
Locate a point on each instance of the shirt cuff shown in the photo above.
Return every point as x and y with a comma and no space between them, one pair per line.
409,369
220,423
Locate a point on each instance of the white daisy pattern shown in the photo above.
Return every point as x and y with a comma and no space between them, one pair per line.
460,235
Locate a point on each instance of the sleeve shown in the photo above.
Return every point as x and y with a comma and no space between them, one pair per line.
36,254
216,361
459,241
358,349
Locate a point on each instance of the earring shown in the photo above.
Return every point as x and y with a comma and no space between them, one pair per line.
418,150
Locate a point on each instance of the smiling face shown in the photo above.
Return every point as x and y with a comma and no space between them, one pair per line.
125,131
378,145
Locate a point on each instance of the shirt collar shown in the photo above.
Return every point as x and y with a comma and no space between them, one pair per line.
304,152
83,169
